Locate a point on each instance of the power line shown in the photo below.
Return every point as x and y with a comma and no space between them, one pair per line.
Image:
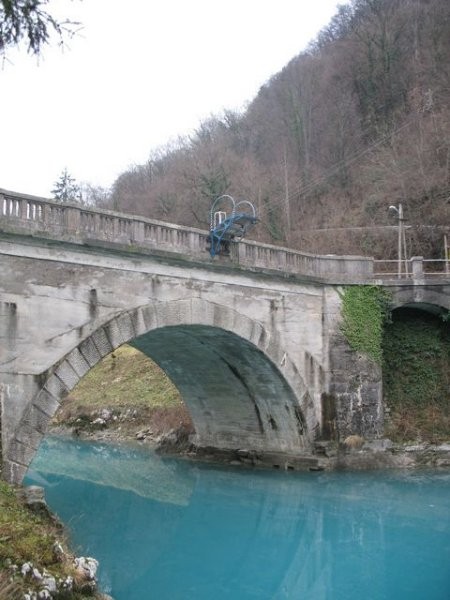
307,189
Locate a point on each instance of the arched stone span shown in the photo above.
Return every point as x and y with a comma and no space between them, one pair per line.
242,361
435,299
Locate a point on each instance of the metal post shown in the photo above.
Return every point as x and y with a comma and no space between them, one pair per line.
405,253
401,238
400,223
446,254
286,198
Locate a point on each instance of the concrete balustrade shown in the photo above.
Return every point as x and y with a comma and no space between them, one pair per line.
24,214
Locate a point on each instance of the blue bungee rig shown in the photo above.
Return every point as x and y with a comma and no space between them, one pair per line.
229,222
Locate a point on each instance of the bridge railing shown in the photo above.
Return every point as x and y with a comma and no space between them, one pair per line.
342,268
414,268
35,215
32,215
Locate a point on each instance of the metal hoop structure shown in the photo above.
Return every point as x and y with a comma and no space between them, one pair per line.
229,221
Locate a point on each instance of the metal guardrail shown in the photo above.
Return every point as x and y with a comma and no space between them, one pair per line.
414,268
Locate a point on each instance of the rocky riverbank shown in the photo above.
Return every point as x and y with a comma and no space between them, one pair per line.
164,433
164,429
331,456
35,562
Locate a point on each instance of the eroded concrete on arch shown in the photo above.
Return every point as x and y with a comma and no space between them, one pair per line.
236,396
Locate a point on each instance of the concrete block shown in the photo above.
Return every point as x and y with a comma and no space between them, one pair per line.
126,327
274,351
67,375
202,312
56,387
89,351
102,342
47,403
137,319
78,362
257,333
242,325
150,316
223,318
36,420
30,436
20,452
176,313
114,334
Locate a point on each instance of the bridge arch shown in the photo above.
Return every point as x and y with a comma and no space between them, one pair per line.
235,378
433,298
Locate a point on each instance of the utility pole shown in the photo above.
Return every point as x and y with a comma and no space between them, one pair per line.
286,198
446,254
401,239
405,254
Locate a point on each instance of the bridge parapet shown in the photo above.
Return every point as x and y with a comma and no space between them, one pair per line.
32,215
413,270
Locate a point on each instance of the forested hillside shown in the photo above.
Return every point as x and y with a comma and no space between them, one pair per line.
358,122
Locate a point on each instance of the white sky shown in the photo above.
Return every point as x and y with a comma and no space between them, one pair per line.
139,74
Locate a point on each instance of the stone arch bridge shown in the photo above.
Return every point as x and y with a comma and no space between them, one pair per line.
251,340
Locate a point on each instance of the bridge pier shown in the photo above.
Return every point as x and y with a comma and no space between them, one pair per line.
357,390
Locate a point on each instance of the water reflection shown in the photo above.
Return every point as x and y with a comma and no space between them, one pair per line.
168,529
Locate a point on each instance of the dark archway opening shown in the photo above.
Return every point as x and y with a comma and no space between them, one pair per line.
416,374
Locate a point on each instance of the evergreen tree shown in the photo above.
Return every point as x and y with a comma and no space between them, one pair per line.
28,20
66,188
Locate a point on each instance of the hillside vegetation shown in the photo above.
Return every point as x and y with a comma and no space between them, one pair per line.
357,122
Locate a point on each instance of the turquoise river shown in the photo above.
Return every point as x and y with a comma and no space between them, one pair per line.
169,529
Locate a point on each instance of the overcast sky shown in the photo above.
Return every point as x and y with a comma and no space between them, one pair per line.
138,75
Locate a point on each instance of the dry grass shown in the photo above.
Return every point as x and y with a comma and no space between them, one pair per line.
134,388
428,424
9,590
354,441
164,419
125,379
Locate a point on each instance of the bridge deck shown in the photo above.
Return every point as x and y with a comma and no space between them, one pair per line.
42,218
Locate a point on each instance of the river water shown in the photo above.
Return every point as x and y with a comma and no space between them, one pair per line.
169,529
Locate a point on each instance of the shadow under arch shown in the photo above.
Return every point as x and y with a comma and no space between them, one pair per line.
239,389
432,309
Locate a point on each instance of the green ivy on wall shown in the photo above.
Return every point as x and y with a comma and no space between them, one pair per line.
416,375
365,310
417,360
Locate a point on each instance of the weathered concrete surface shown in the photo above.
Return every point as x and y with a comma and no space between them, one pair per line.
247,351
258,356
